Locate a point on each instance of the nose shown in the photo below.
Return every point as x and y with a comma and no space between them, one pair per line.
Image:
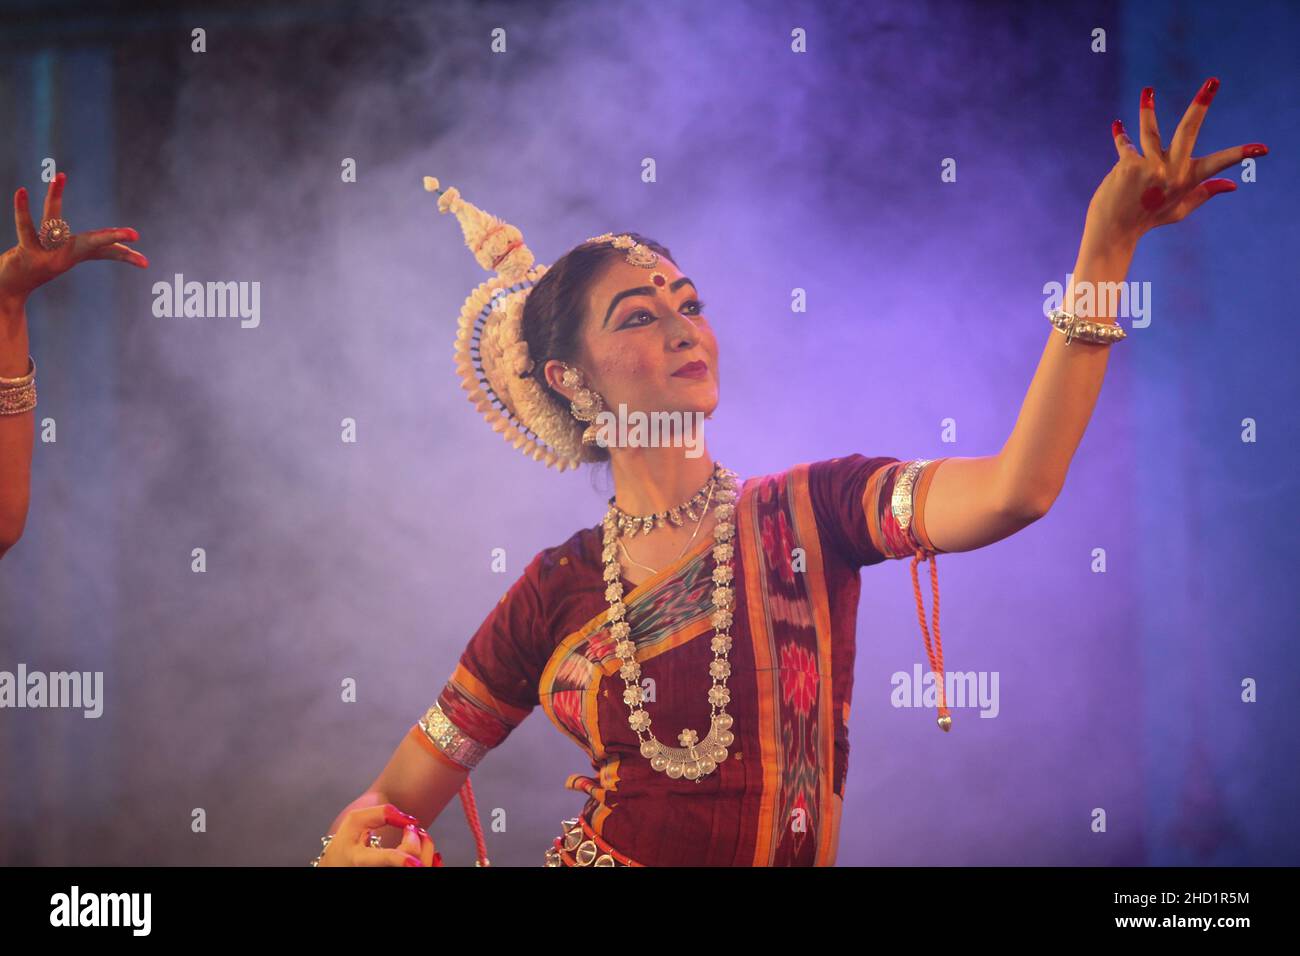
682,333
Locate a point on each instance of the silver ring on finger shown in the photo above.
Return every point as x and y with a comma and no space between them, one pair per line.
54,233
374,840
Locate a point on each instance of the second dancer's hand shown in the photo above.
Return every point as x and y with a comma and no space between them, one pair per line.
28,265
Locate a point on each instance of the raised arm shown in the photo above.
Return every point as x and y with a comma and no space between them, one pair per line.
976,501
24,268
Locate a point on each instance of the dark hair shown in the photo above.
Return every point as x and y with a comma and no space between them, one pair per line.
552,320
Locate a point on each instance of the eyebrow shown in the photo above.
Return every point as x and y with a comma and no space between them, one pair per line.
643,290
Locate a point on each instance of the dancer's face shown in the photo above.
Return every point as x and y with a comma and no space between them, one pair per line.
636,334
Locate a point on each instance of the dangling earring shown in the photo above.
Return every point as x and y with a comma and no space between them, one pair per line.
585,405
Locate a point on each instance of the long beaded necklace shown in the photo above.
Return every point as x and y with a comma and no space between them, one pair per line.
695,758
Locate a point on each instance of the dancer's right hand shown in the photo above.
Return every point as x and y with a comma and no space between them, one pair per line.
351,844
29,265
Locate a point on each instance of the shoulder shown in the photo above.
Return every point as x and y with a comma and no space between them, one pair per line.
819,476
558,563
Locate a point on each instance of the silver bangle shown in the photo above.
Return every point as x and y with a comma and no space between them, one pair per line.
325,842
324,845
1073,327
446,736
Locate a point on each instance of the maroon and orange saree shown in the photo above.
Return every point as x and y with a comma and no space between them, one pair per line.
802,536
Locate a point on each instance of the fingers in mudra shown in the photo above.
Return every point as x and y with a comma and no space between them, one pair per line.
108,244
120,253
1170,184
36,265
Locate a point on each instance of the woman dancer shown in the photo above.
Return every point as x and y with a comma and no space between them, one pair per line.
697,644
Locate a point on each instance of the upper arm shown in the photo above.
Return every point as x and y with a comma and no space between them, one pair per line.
495,682
968,506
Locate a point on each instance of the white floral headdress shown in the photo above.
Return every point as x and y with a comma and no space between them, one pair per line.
491,354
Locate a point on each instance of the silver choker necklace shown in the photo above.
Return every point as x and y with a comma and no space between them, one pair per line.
693,510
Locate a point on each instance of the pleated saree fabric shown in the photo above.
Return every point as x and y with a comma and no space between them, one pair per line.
802,536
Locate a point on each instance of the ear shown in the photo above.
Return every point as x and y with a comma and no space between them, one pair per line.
553,373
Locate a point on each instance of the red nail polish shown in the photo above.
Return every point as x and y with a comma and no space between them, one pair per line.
1149,98
1116,129
411,861
396,818
1208,90
1254,149
437,859
1216,186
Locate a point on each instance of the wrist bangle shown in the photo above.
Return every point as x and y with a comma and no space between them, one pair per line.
21,379
325,842
18,395
1073,327
324,845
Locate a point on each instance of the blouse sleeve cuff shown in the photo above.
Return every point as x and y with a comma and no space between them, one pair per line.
921,489
894,502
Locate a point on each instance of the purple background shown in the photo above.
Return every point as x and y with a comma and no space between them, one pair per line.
775,171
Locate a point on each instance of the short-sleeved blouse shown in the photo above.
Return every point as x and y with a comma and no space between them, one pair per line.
801,538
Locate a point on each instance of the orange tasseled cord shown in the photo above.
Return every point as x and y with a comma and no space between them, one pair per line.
471,814
935,653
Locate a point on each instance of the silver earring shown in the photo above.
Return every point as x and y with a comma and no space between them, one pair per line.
585,405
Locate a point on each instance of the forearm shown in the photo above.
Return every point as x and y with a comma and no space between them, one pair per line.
17,432
1064,390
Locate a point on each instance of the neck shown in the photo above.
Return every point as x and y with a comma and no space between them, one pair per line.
648,479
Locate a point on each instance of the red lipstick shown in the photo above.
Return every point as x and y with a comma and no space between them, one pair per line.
696,369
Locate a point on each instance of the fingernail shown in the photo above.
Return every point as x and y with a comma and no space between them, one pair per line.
437,859
1208,89
1254,149
1116,128
396,818
1221,186
412,861
135,236
1149,98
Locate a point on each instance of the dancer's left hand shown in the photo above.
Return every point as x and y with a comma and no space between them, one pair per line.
1158,186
